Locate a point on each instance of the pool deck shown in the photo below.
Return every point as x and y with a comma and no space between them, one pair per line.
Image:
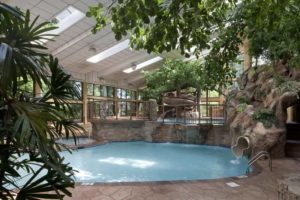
262,186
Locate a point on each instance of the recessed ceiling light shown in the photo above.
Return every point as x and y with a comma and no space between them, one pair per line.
143,64
109,52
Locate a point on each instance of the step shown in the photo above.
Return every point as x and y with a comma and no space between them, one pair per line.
292,148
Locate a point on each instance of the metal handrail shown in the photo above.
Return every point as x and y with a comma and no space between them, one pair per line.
257,157
212,116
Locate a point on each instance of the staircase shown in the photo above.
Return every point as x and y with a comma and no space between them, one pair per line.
292,147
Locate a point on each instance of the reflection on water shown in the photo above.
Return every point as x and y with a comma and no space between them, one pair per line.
235,162
129,162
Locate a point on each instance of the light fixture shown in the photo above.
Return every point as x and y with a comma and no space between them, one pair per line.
133,65
143,64
92,49
109,52
64,20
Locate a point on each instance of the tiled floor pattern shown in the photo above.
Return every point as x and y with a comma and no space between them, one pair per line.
262,186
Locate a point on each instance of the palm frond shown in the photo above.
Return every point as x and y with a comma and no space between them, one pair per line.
21,50
61,90
7,9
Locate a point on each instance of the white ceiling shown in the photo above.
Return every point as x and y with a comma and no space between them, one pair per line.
72,47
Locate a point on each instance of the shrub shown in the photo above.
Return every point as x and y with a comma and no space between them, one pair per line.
267,117
241,107
244,99
288,86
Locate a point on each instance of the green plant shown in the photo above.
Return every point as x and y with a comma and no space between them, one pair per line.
178,74
244,99
241,107
267,117
272,28
289,86
29,125
279,80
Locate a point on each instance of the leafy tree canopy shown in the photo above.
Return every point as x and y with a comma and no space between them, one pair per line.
178,74
271,27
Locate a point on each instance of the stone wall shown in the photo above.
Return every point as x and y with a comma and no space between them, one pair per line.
151,131
113,130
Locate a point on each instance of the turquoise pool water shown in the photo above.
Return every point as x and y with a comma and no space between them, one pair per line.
142,161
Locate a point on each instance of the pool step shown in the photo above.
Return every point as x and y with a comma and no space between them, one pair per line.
292,148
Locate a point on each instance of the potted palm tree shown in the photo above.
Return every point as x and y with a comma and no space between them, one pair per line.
30,165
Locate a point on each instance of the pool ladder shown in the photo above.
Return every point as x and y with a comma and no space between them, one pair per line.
257,157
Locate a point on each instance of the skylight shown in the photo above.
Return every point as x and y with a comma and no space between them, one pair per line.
143,64
67,18
64,20
109,52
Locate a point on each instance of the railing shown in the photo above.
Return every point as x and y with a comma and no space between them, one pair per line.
118,109
189,114
257,157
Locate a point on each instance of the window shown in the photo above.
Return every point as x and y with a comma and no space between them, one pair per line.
213,93
64,20
121,93
97,91
103,91
128,94
78,86
26,87
203,93
109,52
77,112
110,92
90,89
143,64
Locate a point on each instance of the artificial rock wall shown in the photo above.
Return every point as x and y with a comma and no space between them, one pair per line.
259,108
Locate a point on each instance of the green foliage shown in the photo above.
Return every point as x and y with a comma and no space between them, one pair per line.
241,107
177,74
288,86
29,125
96,11
278,80
271,27
267,117
244,99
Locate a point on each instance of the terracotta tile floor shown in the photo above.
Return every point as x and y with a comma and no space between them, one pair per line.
262,186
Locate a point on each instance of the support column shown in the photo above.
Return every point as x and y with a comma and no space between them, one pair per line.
116,102
84,103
